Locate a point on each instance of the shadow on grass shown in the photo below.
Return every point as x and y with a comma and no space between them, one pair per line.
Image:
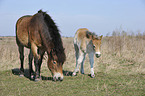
16,71
67,73
46,78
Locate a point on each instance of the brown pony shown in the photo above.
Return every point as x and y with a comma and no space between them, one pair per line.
39,33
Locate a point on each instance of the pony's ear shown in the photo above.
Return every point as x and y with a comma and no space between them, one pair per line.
52,52
100,37
88,35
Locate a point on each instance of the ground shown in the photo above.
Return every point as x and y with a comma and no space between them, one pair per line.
118,72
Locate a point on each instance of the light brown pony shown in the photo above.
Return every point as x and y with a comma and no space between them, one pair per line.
39,33
86,42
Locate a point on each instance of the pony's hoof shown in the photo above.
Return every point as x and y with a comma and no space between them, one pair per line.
32,77
67,73
92,75
38,79
21,75
82,73
74,74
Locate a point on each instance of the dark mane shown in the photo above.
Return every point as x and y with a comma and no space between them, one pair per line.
55,36
92,34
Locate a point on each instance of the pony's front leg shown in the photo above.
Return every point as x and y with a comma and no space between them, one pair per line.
91,58
38,66
78,62
36,61
37,74
41,53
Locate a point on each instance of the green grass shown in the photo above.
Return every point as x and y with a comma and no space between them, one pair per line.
80,85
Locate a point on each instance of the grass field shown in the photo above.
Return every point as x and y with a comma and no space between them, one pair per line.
120,71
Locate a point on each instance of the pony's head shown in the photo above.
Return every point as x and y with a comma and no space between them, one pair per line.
96,43
55,63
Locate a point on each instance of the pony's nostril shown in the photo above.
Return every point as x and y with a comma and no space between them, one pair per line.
58,77
54,79
61,79
98,55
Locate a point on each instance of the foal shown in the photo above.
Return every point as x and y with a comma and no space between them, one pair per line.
86,42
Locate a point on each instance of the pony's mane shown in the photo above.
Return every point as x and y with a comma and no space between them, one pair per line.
91,34
55,36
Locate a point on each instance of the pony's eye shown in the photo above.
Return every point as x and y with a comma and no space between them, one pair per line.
94,46
54,62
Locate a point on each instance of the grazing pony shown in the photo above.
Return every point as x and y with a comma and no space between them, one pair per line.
39,33
86,42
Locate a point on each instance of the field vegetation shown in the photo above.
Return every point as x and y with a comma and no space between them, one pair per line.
120,71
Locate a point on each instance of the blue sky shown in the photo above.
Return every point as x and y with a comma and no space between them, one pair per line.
99,16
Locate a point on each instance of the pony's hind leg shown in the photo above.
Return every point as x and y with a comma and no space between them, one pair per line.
31,72
21,52
82,64
77,56
79,61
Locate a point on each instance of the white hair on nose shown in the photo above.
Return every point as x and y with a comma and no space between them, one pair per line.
97,53
57,75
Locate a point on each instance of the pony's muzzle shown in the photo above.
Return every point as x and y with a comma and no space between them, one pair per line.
98,54
58,77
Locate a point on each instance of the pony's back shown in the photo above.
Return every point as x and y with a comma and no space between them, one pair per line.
80,35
